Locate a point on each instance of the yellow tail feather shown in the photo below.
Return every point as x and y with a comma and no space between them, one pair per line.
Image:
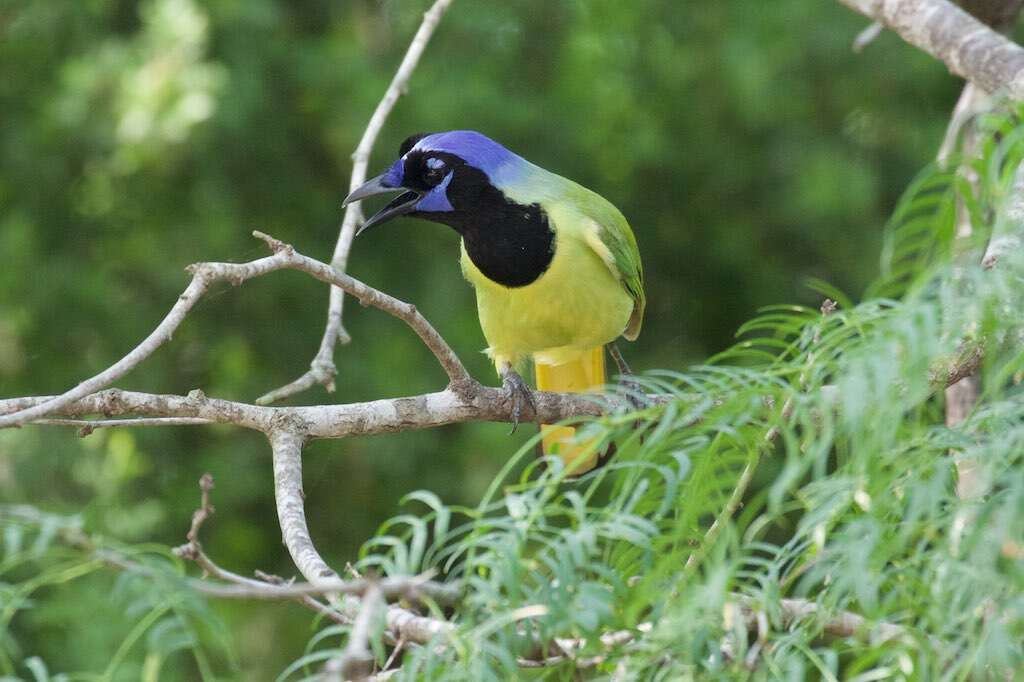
580,375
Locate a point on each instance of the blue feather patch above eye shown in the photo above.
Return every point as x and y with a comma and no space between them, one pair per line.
436,200
479,151
434,163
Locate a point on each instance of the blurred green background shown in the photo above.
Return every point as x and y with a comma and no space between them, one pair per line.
748,146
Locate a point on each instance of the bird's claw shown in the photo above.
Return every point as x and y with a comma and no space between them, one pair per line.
634,392
519,393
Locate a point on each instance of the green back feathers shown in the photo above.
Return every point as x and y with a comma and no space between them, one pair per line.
561,196
617,237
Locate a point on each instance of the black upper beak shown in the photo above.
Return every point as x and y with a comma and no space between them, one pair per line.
404,203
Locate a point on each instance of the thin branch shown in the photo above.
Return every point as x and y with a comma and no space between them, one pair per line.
205,511
412,589
839,624
828,306
87,426
459,378
792,611
967,46
972,101
204,275
356,661
867,36
735,499
322,369
235,586
234,583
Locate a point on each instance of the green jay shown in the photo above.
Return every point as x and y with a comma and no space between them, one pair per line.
555,266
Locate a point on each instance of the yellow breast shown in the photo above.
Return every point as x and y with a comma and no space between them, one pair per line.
575,305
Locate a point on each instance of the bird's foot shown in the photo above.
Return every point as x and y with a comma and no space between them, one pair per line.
519,393
634,393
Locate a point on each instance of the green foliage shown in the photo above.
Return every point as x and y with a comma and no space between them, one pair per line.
750,150
164,627
856,507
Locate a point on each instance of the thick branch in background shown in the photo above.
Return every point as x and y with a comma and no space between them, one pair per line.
1008,231
322,369
963,134
969,41
967,46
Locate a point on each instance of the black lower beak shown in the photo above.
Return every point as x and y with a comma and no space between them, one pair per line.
404,203
400,205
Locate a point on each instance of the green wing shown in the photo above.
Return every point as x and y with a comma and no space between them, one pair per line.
617,236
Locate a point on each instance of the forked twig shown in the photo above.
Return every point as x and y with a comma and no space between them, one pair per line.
322,369
204,275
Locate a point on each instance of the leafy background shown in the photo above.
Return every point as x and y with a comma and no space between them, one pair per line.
750,149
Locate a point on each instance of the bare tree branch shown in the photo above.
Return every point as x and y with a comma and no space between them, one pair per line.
1008,231
206,274
235,585
390,589
967,46
840,624
203,276
393,414
331,421
792,611
322,369
291,514
356,662
287,446
973,101
87,426
992,64
963,134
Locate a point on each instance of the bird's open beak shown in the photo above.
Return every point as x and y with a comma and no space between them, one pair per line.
404,203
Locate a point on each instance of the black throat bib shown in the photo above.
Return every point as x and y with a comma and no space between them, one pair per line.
511,244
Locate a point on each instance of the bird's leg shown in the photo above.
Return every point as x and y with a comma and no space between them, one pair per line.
518,392
628,379
620,362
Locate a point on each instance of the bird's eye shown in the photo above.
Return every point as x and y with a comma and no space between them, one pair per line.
436,170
